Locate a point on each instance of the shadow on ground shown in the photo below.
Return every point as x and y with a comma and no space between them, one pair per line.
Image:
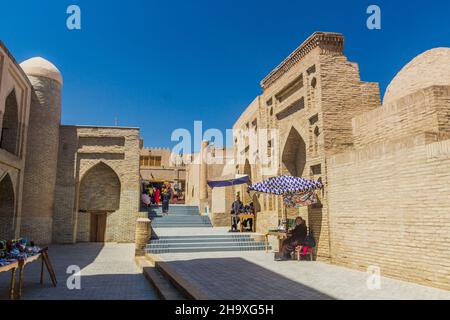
239,279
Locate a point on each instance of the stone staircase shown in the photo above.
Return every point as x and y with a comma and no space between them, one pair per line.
180,216
205,243
194,233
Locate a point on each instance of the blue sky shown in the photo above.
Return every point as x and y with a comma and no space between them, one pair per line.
161,65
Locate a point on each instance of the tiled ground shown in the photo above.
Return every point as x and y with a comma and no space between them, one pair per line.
255,275
107,272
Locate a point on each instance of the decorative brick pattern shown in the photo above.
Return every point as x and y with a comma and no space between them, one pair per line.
111,163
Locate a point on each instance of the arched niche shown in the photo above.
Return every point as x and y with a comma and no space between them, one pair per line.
10,125
294,154
100,190
7,208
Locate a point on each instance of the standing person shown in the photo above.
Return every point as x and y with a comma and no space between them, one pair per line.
151,193
236,209
157,196
175,196
166,195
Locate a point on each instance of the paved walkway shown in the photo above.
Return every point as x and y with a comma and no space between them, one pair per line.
255,275
107,272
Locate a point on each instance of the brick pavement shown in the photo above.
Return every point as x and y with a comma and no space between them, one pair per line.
255,275
108,272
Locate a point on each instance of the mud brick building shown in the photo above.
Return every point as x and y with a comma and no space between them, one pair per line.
61,184
385,166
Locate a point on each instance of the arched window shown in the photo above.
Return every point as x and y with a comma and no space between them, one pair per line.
6,208
10,129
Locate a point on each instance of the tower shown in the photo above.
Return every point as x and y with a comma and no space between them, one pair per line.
42,150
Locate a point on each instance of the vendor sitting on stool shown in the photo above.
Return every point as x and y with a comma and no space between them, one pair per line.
236,209
248,223
297,238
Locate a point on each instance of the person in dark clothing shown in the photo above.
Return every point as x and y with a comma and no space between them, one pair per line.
236,210
297,237
166,195
248,223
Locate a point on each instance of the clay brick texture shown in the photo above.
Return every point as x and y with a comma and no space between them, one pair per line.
98,172
389,207
385,169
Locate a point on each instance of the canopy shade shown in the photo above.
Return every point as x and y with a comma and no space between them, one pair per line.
229,181
283,185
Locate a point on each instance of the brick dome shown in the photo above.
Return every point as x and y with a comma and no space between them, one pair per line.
40,67
430,68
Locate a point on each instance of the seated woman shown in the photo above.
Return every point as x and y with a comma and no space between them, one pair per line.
248,223
296,238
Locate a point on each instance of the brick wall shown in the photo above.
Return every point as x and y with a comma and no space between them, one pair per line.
422,111
41,160
117,161
389,207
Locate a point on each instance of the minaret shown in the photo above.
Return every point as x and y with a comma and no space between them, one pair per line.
42,150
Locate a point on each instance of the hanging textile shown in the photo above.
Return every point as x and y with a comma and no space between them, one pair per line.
298,200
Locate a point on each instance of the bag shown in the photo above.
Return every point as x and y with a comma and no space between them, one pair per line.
309,240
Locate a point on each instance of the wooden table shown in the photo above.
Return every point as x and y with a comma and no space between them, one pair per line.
13,268
22,265
281,235
243,217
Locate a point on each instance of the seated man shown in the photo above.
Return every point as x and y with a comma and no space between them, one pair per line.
296,238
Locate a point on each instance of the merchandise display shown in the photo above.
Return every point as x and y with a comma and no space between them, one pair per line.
13,251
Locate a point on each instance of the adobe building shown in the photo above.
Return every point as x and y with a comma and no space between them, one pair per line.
159,165
15,96
309,100
210,163
385,168
61,184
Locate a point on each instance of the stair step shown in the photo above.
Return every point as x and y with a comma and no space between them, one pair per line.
209,236
208,249
181,218
184,226
199,240
196,245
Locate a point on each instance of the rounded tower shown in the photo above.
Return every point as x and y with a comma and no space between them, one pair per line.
42,150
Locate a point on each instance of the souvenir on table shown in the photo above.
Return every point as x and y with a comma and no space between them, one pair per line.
16,250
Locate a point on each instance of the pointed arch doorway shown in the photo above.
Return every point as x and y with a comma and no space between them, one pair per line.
99,197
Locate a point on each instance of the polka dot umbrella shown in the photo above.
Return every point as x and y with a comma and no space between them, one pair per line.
285,185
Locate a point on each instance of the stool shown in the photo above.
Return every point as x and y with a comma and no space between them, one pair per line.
309,252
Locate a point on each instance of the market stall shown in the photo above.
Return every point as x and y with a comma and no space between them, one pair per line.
231,181
296,192
15,255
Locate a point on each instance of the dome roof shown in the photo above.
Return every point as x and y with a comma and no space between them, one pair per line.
41,68
430,68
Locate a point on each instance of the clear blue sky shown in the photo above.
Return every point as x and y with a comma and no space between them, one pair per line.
160,65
